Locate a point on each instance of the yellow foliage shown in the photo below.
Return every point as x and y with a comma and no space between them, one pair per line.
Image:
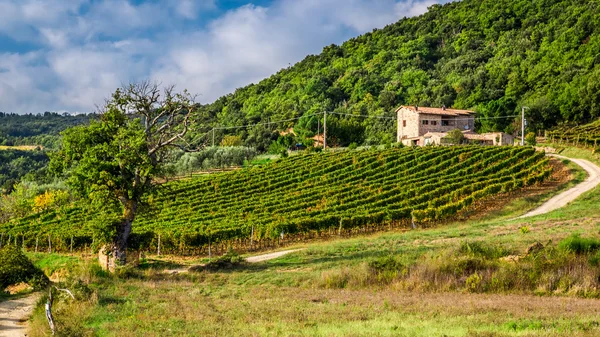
49,200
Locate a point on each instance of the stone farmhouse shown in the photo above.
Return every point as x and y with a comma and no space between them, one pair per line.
421,126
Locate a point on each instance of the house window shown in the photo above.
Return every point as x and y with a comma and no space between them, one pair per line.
404,123
445,123
433,122
425,122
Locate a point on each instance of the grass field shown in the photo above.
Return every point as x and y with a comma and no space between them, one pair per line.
404,283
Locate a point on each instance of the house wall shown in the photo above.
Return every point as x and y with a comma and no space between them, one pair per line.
415,127
500,138
460,122
412,124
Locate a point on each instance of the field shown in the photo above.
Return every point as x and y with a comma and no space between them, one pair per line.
587,135
304,196
370,285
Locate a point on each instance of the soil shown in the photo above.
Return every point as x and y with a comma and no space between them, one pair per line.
14,314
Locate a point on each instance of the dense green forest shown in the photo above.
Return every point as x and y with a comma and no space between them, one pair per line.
39,129
492,56
15,164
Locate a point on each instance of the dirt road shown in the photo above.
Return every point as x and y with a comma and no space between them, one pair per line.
571,194
14,314
270,256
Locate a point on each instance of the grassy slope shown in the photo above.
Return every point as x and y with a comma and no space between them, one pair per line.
290,295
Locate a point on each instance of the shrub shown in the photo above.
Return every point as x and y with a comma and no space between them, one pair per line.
228,261
15,268
231,140
473,282
455,137
481,249
578,245
352,146
386,269
530,139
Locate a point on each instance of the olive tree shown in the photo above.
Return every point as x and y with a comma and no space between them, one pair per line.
114,160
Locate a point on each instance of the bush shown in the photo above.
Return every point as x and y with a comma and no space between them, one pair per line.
228,261
386,269
15,268
578,245
481,249
352,146
530,139
455,137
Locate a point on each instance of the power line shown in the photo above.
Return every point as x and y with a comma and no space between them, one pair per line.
263,123
363,116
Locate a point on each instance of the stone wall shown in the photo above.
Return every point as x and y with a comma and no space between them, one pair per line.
411,125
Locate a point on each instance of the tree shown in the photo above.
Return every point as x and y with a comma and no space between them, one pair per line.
455,137
231,140
116,158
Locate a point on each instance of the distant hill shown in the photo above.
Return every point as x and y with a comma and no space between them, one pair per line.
492,56
39,129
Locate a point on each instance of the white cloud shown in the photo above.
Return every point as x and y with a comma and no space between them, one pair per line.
84,57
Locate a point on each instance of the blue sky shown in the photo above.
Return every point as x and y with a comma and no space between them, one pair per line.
68,55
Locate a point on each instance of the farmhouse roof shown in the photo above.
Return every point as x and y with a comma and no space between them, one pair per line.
437,111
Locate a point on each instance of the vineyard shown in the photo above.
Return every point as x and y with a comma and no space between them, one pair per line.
310,194
587,135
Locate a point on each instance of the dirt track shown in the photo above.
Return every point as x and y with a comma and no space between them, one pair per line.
571,194
14,314
270,256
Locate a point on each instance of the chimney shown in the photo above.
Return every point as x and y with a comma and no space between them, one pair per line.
416,108
444,107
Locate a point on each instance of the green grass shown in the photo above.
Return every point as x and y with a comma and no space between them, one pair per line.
291,296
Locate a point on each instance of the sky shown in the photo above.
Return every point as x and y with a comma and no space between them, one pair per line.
69,55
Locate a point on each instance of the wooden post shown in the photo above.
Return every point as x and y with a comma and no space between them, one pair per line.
49,245
158,246
49,313
36,244
71,244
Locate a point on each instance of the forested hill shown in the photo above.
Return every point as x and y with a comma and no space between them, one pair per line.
37,129
488,55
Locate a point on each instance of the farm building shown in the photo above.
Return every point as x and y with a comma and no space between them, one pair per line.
421,126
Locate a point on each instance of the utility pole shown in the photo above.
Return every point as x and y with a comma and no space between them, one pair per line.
523,125
324,129
213,137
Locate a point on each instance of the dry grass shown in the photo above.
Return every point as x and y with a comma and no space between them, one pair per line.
21,147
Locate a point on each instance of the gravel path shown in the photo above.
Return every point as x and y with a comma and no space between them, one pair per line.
14,314
573,193
270,256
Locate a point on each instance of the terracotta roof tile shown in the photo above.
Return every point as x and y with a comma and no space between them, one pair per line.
438,111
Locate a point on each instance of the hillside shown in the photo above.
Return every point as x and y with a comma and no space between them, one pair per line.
39,130
587,135
492,56
313,193
493,276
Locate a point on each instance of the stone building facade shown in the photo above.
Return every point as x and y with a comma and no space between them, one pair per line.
421,126
414,122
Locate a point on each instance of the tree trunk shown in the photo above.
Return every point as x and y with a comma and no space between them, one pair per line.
118,247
